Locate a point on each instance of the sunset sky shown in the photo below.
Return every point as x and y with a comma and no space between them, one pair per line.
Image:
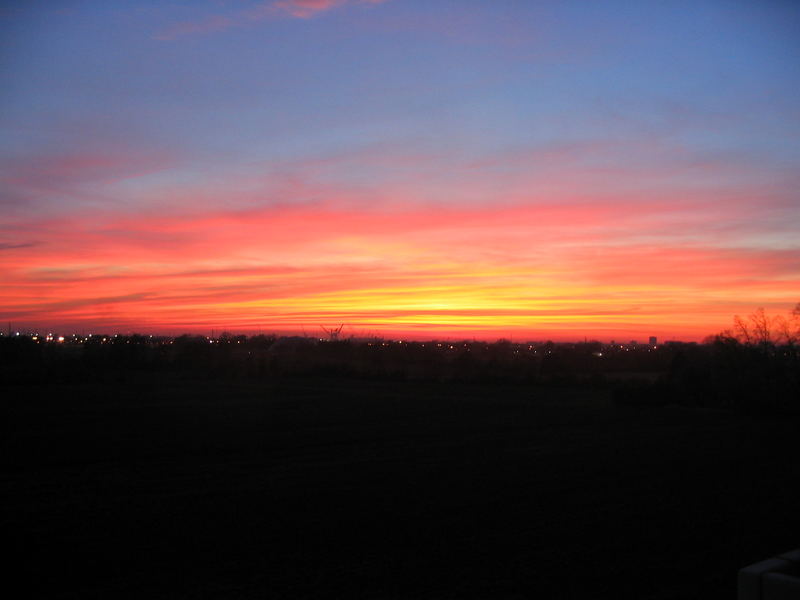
434,168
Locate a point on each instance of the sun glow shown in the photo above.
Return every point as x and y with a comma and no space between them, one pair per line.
454,280
294,170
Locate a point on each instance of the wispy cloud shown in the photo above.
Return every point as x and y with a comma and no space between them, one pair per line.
80,166
483,270
299,9
304,9
17,246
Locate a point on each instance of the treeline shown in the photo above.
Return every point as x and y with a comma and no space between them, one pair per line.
25,360
724,372
754,367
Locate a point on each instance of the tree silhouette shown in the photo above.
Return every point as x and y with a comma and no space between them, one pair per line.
765,331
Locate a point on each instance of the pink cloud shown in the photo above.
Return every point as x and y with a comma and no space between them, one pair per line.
299,9
304,9
81,166
291,244
459,270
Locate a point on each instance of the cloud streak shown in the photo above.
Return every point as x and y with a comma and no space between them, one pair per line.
540,269
298,9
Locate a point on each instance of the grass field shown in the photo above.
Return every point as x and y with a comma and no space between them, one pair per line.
356,489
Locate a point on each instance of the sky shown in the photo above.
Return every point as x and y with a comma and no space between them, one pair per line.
417,169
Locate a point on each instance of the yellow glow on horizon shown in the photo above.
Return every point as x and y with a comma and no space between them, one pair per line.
459,274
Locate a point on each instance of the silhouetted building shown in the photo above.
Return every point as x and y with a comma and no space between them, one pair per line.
653,340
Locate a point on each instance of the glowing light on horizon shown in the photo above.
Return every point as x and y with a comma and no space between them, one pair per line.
427,290
287,167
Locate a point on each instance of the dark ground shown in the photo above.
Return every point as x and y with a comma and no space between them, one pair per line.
335,488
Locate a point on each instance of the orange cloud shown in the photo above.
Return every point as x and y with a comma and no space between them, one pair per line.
534,270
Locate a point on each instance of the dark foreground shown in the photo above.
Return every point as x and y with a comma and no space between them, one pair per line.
340,488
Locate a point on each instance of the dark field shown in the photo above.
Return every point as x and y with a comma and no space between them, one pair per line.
343,488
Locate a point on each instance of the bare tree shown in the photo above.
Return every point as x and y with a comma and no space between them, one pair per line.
789,327
760,329
741,330
333,332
